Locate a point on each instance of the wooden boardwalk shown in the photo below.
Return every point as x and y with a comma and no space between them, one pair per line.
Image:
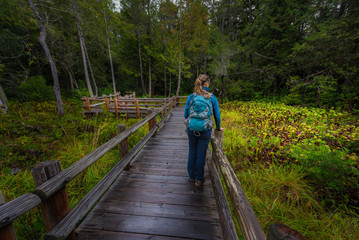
154,199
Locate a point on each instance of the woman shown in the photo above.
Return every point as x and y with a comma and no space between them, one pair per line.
200,106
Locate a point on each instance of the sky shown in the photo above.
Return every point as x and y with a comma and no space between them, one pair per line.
117,4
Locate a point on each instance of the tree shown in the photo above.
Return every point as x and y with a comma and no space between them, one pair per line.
42,40
109,53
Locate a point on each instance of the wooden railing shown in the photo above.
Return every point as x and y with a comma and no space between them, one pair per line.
218,166
47,191
130,106
218,163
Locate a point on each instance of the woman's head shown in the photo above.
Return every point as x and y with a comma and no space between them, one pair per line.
202,81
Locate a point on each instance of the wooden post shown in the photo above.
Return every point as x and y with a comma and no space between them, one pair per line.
116,106
124,144
57,206
137,108
177,100
280,231
173,102
164,109
87,104
7,232
153,122
107,104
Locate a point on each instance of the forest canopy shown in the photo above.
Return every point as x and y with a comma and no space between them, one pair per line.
303,52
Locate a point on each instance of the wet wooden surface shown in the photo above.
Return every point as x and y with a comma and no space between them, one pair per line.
154,199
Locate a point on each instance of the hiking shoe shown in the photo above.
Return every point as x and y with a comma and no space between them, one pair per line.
198,183
191,179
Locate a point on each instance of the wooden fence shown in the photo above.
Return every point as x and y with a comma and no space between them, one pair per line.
51,182
130,107
218,165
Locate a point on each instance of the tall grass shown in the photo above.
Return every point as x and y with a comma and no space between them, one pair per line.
32,132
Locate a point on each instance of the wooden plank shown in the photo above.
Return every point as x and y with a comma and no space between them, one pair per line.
189,188
169,198
156,178
154,225
159,210
160,165
90,234
173,172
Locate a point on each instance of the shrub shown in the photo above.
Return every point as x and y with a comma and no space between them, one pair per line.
35,89
333,171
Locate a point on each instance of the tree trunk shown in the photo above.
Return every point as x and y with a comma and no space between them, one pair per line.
169,89
140,58
179,52
149,78
90,67
42,39
164,68
3,102
71,81
87,78
109,53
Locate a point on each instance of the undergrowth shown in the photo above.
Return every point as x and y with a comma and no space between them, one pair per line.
32,132
298,166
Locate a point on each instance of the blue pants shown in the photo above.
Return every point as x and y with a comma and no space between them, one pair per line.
197,153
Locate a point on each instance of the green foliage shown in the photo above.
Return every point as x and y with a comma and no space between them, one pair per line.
332,171
297,166
35,89
32,132
324,143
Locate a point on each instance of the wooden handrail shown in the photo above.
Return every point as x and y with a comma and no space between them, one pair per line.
54,184
17,207
69,222
224,212
20,205
249,224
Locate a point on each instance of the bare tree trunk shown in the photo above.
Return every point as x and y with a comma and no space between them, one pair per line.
42,39
90,67
87,78
149,78
169,90
71,81
140,58
164,67
3,101
179,52
223,67
109,53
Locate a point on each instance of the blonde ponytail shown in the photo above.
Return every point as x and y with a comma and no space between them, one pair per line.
198,84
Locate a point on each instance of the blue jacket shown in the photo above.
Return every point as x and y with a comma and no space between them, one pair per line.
216,112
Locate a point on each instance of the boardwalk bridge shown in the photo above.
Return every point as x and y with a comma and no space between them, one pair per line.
147,195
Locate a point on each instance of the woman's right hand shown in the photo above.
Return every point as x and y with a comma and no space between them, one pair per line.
220,129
